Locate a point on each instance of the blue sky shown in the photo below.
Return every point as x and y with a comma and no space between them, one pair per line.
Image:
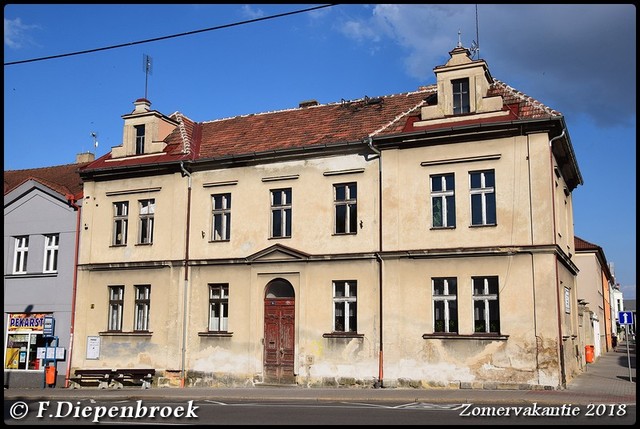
577,59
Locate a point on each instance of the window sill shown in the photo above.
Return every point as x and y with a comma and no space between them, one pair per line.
445,336
125,334
342,335
482,226
340,234
29,275
143,244
220,241
280,238
222,334
118,245
439,228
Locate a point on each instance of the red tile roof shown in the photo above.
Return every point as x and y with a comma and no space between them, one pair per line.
581,244
63,179
313,126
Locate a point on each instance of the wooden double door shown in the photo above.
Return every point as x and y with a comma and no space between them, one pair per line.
279,333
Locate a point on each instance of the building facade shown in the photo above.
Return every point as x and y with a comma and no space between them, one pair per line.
594,282
41,214
417,239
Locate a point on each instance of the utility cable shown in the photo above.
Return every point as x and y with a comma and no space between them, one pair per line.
167,37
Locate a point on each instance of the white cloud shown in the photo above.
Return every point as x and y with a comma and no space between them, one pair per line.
252,13
16,33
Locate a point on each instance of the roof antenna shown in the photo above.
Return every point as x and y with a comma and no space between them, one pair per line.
475,45
147,68
95,142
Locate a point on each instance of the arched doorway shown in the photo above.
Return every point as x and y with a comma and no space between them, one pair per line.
279,332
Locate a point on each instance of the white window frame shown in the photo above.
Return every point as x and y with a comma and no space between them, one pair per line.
224,215
143,304
21,254
51,247
446,297
485,297
483,191
348,202
286,212
116,307
218,307
442,196
121,219
147,209
347,303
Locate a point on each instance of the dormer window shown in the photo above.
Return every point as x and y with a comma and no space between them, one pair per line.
139,139
460,96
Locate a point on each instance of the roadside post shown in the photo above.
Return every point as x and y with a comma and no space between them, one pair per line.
626,318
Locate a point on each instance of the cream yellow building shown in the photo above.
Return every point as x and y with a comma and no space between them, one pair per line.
419,239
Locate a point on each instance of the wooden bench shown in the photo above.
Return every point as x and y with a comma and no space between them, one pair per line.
133,376
100,376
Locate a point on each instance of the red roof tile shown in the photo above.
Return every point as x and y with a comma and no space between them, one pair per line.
313,126
63,179
581,244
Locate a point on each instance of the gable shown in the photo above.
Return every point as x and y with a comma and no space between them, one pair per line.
278,253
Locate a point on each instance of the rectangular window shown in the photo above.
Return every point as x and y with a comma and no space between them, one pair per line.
147,211
486,311
483,197
120,223
51,244
443,201
445,304
461,96
345,314
346,208
221,228
218,307
116,303
20,255
143,299
281,212
139,139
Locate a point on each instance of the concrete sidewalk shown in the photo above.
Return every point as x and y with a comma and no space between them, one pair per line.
605,381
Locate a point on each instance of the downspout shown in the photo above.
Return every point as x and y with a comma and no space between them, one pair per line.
72,202
563,376
533,266
186,279
379,383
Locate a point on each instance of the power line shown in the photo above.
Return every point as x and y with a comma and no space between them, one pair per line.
167,37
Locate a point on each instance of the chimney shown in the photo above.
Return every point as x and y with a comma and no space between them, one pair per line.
308,103
85,157
142,105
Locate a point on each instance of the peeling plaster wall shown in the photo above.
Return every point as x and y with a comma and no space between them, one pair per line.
160,349
410,358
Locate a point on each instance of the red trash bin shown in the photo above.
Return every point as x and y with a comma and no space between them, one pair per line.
589,353
50,375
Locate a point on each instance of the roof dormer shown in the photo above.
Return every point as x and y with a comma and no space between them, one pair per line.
462,86
144,131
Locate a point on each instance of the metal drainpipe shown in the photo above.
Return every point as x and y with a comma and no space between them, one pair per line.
533,266
563,376
380,382
186,280
72,202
